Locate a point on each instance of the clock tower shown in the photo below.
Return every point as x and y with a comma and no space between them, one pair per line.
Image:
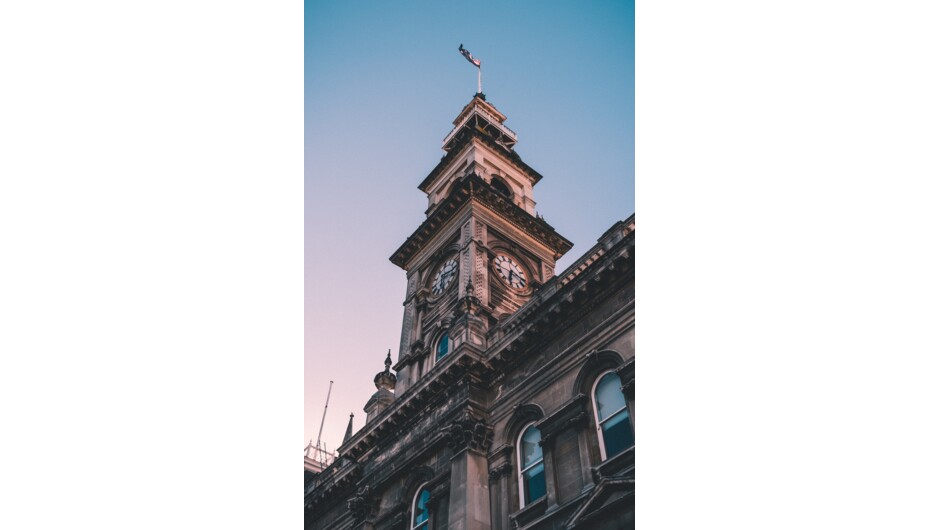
481,254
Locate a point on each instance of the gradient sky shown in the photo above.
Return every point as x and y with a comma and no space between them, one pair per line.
383,83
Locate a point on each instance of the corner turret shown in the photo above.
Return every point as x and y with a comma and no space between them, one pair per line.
385,391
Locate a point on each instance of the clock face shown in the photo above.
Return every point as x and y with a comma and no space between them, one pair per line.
444,276
510,271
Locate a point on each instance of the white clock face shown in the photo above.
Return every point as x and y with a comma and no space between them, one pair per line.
510,272
444,276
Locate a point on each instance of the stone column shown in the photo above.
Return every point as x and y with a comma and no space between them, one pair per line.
499,493
584,453
548,458
469,438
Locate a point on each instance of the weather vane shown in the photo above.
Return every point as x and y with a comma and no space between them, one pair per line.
475,62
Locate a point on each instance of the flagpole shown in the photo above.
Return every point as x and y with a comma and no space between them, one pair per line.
480,79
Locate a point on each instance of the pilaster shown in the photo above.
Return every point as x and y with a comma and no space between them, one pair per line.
469,509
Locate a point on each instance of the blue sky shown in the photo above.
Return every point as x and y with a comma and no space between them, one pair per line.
383,82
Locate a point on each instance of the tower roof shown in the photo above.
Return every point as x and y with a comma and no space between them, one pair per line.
482,116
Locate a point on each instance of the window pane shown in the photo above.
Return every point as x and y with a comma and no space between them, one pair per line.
531,450
534,482
443,346
609,397
421,507
618,435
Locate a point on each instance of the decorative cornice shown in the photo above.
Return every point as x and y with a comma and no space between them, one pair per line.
342,474
571,415
556,304
466,359
474,187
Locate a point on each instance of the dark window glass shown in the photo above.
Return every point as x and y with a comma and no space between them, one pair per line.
534,480
443,346
618,436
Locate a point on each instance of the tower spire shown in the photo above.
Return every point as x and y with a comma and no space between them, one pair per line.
348,434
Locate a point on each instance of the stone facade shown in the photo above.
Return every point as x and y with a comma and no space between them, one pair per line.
486,355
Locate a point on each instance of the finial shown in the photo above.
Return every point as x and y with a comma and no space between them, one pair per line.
308,448
349,428
469,303
386,379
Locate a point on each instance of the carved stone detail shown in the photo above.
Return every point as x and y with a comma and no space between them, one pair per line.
500,471
469,432
360,505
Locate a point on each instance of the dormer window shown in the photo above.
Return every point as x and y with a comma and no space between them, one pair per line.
443,346
501,187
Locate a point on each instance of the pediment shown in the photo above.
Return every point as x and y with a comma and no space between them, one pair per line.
610,493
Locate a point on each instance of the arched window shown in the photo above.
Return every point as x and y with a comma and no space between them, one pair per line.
612,415
443,346
531,466
420,510
500,187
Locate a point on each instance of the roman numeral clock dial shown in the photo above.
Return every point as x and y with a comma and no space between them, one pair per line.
444,276
510,272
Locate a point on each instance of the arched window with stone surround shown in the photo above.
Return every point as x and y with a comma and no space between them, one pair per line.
612,416
444,346
531,466
420,509
501,187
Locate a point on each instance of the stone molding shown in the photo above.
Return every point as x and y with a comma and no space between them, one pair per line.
627,376
500,471
571,415
474,187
